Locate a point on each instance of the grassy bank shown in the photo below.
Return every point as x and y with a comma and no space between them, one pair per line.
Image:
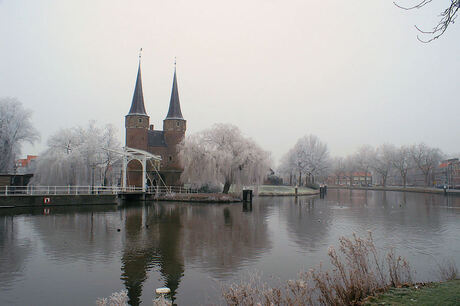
445,293
200,197
271,190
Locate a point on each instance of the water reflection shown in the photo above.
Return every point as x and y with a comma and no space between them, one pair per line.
162,237
221,240
307,223
77,234
14,251
153,237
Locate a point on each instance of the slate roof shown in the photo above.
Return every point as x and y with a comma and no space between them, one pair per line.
137,106
156,139
174,111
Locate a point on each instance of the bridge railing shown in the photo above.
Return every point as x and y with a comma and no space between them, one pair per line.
82,190
170,189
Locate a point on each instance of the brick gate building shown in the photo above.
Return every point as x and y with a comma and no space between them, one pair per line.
140,134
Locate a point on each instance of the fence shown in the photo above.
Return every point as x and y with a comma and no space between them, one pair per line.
82,190
170,189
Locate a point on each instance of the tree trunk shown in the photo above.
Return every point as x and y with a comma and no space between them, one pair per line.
104,181
384,180
226,187
299,183
404,180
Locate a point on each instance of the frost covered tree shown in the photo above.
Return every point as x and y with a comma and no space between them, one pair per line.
363,158
222,155
338,168
381,161
74,156
351,166
425,158
15,129
287,167
402,161
309,158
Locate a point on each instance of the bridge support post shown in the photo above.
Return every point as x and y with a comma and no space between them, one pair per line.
125,166
144,172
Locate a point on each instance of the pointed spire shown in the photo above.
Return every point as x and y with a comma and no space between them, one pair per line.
137,106
174,111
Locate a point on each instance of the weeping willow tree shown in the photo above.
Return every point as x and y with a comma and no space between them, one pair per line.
75,154
222,155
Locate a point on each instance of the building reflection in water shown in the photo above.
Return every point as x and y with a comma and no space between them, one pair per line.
159,236
153,240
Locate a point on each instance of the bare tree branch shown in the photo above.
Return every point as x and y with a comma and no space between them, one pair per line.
448,17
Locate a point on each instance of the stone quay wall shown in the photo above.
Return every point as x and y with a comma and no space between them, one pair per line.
55,200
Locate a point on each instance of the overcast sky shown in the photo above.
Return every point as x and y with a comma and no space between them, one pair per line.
351,72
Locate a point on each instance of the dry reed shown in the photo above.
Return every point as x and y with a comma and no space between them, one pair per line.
162,301
116,299
447,270
358,271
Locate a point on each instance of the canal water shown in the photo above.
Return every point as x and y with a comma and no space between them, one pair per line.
73,255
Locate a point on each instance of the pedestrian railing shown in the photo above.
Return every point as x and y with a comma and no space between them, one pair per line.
85,190
170,189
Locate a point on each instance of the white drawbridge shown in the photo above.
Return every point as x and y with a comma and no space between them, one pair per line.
128,154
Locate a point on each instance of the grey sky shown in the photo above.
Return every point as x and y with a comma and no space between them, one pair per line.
351,72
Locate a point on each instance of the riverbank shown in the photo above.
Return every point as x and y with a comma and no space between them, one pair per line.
271,190
397,188
200,197
444,293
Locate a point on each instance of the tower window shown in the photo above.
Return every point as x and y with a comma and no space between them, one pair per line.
140,120
178,123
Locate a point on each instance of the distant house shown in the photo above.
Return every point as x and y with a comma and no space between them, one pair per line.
362,178
359,178
22,174
26,165
448,173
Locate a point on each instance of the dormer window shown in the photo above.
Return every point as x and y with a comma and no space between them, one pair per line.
140,120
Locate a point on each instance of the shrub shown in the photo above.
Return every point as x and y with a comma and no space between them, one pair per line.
312,186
